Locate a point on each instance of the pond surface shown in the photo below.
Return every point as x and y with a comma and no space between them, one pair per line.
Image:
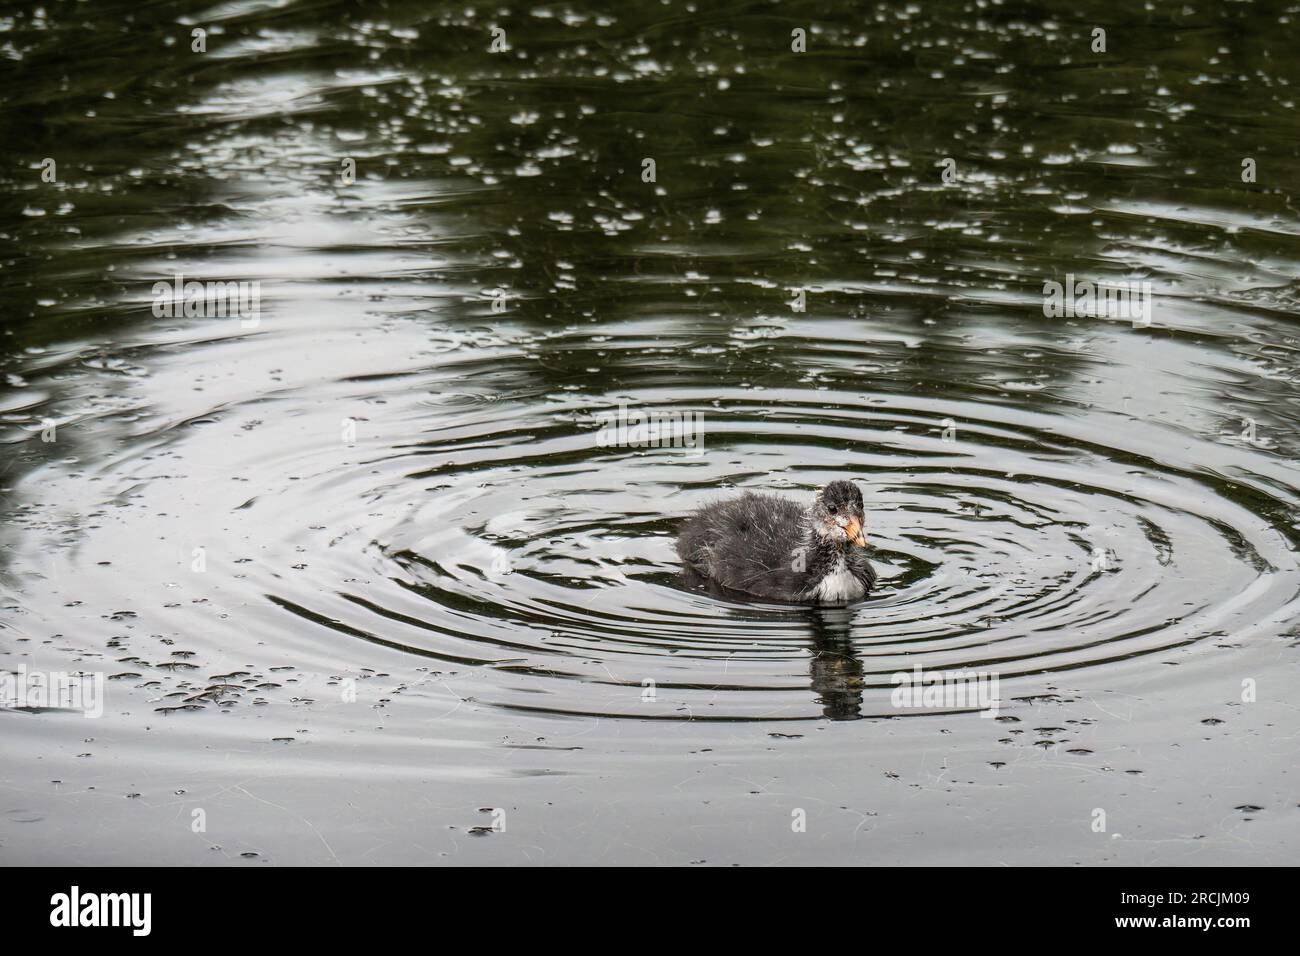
365,582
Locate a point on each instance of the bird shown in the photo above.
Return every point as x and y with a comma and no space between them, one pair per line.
766,546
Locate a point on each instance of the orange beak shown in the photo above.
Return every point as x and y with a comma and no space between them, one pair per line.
854,530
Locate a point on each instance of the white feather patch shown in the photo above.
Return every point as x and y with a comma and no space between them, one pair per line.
839,585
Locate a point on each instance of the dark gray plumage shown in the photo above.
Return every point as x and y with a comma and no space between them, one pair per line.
769,547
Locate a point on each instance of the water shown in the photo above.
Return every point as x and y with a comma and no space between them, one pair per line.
363,579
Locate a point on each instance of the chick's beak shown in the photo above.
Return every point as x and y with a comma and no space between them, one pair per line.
854,531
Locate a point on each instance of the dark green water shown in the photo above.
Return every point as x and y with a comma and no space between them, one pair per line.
357,568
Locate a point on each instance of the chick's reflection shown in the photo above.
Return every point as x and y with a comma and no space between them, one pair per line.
836,671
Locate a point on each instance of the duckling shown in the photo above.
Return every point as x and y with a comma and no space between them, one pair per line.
769,547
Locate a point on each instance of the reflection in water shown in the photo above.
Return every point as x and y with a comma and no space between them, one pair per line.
834,669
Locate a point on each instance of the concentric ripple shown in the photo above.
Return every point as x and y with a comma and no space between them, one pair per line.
500,543
1009,546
